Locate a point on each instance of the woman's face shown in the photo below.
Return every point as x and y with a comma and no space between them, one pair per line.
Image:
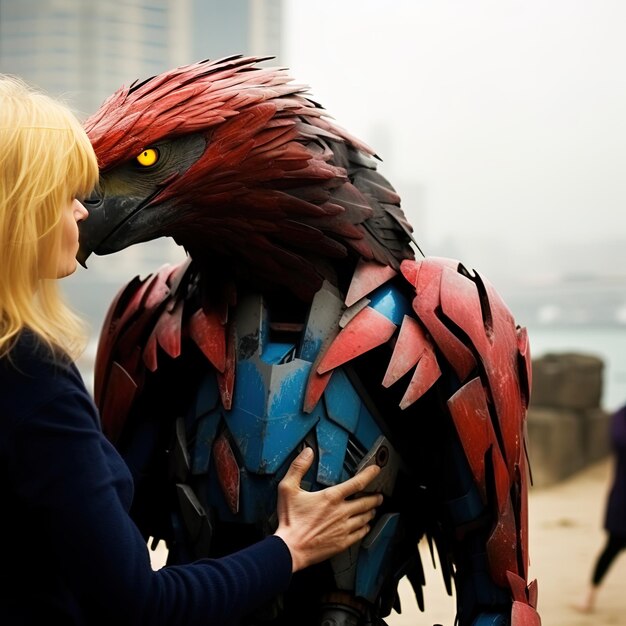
73,212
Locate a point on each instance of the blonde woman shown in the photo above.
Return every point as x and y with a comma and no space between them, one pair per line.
71,552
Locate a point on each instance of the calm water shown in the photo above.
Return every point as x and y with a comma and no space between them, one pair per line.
608,343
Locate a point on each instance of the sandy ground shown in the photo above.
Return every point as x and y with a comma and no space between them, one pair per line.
566,535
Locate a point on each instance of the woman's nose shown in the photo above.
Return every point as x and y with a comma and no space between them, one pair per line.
80,212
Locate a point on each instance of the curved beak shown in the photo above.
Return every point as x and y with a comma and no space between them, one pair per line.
112,225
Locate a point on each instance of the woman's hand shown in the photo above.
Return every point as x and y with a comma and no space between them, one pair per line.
317,525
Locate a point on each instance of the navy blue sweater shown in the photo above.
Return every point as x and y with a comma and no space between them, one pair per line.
70,553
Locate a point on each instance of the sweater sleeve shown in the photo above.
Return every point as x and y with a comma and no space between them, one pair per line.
65,471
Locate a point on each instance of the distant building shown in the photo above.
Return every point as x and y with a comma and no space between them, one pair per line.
223,28
85,49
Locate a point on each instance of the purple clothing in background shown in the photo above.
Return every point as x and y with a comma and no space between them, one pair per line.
615,517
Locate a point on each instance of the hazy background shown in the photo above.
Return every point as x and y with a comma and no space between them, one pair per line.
500,122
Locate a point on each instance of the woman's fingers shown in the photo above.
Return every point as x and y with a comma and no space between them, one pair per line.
301,464
363,503
357,483
357,528
362,519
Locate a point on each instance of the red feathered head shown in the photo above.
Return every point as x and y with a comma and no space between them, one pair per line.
234,162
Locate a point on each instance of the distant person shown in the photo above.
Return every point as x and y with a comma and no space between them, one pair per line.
71,554
615,516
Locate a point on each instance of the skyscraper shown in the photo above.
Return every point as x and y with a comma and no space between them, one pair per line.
85,49
223,28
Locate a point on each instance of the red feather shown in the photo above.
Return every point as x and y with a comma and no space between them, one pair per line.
279,189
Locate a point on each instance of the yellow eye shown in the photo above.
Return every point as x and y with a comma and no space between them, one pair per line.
148,157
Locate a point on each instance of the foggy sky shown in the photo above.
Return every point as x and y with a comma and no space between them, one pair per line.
506,116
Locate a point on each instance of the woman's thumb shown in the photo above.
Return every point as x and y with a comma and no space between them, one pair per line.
300,465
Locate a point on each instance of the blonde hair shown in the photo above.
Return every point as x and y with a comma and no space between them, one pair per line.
46,160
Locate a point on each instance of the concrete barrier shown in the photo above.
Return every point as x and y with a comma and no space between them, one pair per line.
568,380
567,428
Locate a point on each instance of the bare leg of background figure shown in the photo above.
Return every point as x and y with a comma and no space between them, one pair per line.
588,603
614,545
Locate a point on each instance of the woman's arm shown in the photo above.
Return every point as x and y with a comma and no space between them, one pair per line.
67,473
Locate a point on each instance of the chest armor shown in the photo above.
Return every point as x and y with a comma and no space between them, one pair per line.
233,458
425,374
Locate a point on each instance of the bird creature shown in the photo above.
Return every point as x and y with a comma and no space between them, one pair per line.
304,313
